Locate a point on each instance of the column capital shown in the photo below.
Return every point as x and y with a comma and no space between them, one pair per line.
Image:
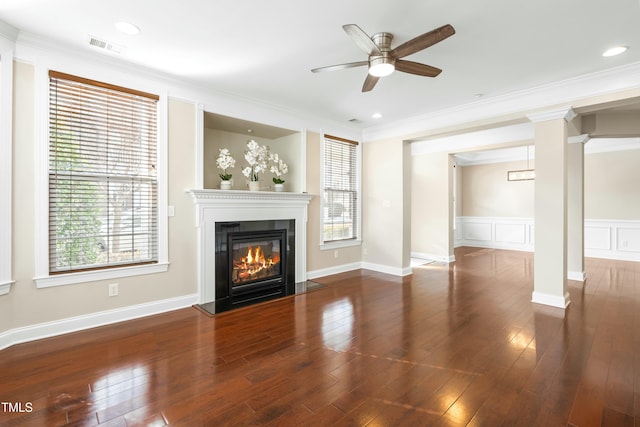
565,113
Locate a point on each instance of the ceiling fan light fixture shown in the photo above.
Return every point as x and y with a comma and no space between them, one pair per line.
381,66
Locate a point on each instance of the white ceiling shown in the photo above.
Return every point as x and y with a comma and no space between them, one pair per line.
264,50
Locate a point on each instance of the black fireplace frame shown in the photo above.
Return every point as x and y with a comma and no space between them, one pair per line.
228,297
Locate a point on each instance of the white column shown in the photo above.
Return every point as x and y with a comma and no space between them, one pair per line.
550,215
575,209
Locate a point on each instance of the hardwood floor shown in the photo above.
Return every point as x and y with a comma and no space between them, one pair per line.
451,345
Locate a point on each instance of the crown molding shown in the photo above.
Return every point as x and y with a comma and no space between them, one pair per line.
31,48
9,32
514,105
562,113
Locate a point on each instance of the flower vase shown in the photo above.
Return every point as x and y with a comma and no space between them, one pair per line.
225,185
278,187
254,185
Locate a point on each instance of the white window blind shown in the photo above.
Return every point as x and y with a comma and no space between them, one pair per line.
102,175
340,192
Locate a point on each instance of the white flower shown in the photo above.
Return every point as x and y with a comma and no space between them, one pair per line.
256,155
278,168
225,161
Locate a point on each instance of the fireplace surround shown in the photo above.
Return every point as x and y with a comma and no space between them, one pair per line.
230,206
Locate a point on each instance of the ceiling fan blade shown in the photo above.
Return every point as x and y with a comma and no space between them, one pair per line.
361,38
417,68
369,83
422,42
340,66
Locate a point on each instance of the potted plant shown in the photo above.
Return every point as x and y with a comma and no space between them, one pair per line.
225,162
256,155
279,168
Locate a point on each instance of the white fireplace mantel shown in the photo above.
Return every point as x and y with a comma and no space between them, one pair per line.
229,205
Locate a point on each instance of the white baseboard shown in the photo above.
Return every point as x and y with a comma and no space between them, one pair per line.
551,300
78,323
387,269
432,257
380,268
314,274
579,276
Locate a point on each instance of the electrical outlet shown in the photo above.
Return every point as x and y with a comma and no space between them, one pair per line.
336,254
113,289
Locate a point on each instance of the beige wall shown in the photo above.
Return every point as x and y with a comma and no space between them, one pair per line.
384,219
431,219
26,305
288,148
485,191
611,185
610,188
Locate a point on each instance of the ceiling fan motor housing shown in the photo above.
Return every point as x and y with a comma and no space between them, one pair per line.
382,65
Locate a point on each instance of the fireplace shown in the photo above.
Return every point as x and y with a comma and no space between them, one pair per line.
254,261
216,207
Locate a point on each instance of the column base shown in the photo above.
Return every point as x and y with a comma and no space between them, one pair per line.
579,276
551,300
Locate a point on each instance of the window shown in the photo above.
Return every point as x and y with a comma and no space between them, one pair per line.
103,184
340,184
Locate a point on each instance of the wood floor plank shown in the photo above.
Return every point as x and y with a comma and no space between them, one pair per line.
458,344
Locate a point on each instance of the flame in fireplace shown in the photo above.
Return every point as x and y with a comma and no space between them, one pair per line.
254,263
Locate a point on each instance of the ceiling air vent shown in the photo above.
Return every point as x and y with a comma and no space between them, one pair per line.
103,44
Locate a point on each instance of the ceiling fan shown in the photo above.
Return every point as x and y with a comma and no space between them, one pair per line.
383,60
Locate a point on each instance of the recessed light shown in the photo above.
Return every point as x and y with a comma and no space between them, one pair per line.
127,28
376,115
479,95
617,50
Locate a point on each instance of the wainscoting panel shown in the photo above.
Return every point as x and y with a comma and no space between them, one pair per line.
497,233
597,238
609,239
511,233
477,230
628,239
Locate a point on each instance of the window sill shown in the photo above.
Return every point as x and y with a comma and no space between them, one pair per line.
92,276
5,288
340,244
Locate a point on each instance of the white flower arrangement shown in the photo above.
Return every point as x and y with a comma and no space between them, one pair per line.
225,161
256,155
278,168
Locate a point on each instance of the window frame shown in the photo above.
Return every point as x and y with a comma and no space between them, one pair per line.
43,278
357,240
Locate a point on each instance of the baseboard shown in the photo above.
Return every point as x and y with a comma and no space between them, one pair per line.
551,300
432,257
579,276
78,323
314,274
387,269
380,268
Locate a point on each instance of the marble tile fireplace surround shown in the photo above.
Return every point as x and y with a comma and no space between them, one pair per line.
218,206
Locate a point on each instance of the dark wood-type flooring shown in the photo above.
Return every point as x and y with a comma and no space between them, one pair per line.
457,344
